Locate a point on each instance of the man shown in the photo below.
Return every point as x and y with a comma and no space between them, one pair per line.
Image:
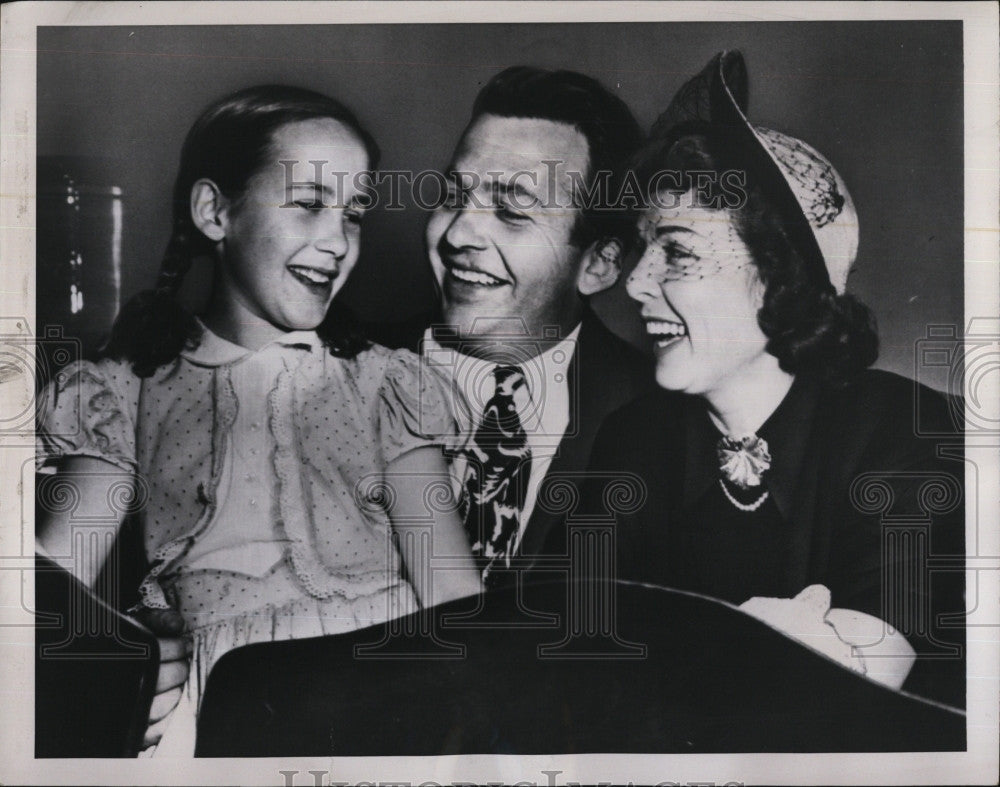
533,225
530,230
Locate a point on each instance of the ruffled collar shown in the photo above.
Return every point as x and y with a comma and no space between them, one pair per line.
213,350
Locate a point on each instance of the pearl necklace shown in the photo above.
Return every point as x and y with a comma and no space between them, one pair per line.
743,460
744,506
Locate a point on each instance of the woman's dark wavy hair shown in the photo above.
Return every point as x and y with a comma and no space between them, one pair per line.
227,144
810,328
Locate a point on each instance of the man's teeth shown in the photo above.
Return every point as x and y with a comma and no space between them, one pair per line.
665,328
474,277
313,275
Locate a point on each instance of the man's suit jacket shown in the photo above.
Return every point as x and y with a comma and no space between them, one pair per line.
604,374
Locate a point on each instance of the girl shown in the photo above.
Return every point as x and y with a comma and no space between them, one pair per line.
769,451
271,446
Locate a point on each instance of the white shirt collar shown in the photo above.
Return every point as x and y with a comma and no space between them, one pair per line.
544,413
213,350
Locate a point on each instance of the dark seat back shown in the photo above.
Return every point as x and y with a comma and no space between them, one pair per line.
95,671
673,672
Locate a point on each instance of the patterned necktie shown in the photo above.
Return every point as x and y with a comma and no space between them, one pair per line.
497,476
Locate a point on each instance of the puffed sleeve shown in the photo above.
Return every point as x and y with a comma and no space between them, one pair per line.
85,411
416,406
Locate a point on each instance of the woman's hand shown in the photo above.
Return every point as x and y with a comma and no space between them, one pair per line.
804,618
855,639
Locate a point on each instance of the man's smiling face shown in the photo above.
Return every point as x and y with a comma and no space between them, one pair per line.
500,246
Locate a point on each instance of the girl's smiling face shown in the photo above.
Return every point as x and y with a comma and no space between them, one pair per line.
290,241
699,294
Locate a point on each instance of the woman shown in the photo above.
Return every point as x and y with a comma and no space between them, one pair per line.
766,455
275,450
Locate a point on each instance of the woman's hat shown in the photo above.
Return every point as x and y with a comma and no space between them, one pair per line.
818,212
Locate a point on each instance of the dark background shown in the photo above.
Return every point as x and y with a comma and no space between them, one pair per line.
882,100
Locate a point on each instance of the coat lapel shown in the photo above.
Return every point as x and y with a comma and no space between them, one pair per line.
605,373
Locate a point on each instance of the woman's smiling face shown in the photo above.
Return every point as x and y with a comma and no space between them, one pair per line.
699,294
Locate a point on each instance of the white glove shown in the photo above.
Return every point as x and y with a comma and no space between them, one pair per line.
853,639
804,618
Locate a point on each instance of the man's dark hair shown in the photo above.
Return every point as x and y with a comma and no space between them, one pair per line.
611,131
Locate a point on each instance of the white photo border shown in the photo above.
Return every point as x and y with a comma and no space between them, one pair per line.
982,299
